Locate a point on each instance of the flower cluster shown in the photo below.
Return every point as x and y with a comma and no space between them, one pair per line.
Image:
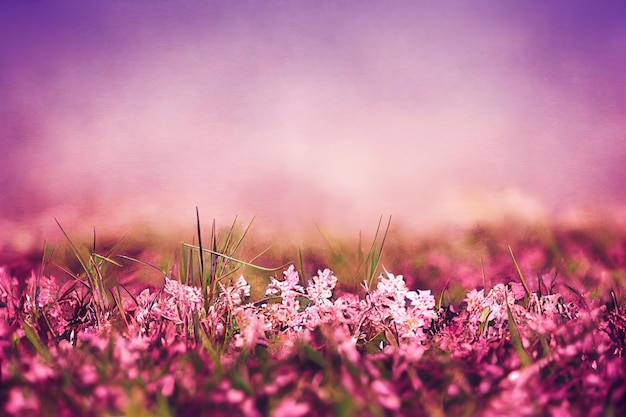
284,315
390,310
181,300
488,315
405,313
486,318
237,293
305,347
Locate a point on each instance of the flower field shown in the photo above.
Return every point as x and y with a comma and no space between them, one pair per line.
495,321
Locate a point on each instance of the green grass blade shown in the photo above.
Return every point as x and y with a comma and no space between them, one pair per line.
46,257
377,254
31,335
107,259
482,269
201,252
301,266
130,258
365,259
184,266
130,294
217,254
445,288
484,315
337,258
243,235
519,271
214,259
117,298
360,258
230,236
371,254
213,353
263,252
79,257
517,339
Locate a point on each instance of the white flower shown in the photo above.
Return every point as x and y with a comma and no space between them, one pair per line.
320,289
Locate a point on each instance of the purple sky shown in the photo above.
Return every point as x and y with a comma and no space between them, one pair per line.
119,112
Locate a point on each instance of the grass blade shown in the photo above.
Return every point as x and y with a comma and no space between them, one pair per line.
117,297
517,339
31,335
184,266
79,257
376,255
109,260
217,254
201,253
243,235
519,271
130,258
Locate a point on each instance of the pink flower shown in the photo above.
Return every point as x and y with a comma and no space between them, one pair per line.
495,303
19,403
347,309
287,313
236,293
180,301
392,305
289,287
147,310
189,298
48,291
346,344
168,383
88,374
252,328
501,295
98,341
386,397
288,407
38,371
475,301
392,284
320,289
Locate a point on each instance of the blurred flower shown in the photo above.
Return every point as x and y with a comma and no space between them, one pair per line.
288,407
88,374
38,371
251,328
386,396
20,404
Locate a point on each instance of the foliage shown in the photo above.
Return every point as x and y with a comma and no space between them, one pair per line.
200,343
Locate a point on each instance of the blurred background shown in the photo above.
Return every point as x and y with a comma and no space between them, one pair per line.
127,115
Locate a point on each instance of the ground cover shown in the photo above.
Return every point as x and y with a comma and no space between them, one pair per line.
497,320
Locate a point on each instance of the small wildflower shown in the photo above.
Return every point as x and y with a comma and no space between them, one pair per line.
320,289
183,300
236,293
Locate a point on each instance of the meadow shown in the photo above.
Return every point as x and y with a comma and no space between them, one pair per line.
502,319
